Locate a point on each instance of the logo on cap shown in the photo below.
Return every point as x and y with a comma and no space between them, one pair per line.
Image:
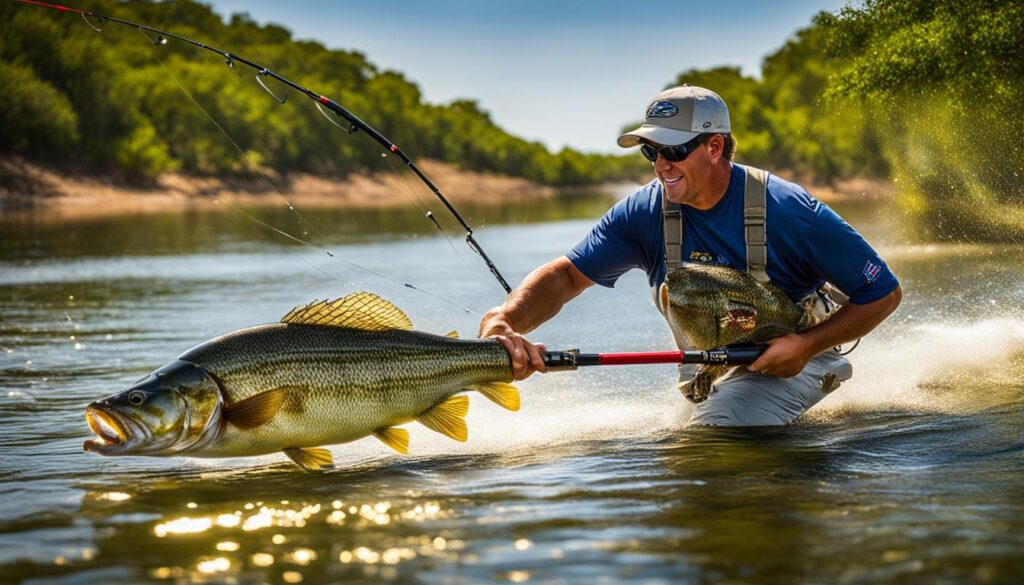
662,110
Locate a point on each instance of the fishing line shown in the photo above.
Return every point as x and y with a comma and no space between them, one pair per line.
244,155
428,214
406,188
291,207
355,123
408,193
331,254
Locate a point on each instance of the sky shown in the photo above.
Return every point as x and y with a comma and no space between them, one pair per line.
567,73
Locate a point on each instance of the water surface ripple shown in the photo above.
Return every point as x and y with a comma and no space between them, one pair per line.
912,472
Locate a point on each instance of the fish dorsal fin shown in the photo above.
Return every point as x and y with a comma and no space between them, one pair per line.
361,310
452,334
310,458
397,439
255,410
503,394
448,418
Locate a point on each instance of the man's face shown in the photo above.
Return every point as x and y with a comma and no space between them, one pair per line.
684,181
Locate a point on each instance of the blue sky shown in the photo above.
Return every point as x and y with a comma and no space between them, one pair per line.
565,73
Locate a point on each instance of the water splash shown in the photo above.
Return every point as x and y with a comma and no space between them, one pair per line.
946,367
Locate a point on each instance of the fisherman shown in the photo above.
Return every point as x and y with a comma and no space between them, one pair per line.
703,207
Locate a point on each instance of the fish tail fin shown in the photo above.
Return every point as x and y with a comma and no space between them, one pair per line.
503,394
448,418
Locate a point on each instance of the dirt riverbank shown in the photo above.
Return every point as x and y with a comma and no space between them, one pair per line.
64,194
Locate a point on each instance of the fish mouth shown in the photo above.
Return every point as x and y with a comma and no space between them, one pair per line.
111,433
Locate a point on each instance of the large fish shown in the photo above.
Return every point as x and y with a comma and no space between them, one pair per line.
329,372
709,306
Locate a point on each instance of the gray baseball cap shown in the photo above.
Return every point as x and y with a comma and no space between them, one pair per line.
678,115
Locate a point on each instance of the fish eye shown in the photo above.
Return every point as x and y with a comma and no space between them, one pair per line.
137,397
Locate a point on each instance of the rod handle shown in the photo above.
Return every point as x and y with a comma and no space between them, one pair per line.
558,361
743,356
561,361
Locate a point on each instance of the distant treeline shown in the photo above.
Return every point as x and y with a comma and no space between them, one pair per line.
927,93
104,100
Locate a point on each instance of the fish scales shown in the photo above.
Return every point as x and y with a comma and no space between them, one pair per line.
710,306
330,372
343,383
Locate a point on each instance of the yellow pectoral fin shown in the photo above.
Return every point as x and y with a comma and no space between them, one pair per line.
397,439
255,410
500,393
361,310
310,458
453,334
448,418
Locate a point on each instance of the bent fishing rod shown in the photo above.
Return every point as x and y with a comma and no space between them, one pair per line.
738,355
355,124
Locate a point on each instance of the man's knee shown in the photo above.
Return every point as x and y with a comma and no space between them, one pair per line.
748,399
740,404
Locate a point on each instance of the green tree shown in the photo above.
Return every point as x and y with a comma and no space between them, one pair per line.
35,117
115,101
944,80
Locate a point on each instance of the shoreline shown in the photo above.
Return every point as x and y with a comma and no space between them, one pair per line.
27,188
34,189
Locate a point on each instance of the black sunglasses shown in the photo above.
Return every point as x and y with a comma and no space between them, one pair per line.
676,153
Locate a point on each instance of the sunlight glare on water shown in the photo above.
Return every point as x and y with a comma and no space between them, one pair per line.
911,469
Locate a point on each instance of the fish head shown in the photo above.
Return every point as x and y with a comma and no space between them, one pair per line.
166,412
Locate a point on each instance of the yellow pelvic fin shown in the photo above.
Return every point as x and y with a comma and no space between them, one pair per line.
448,417
361,310
397,439
503,394
255,410
453,334
310,458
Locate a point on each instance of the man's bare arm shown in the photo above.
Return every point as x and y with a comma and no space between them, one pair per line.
540,297
787,355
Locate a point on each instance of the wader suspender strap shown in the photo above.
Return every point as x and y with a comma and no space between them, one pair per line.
673,214
754,203
755,196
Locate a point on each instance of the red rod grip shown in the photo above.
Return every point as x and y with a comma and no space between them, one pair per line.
649,357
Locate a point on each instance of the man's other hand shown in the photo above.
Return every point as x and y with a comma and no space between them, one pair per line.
785,357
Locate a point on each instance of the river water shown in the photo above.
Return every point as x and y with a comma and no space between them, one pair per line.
911,472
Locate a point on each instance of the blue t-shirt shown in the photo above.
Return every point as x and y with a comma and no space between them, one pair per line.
808,243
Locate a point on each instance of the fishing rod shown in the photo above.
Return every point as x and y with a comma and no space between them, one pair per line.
355,124
739,355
